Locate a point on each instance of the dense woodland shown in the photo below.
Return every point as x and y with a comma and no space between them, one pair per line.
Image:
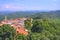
45,26
32,14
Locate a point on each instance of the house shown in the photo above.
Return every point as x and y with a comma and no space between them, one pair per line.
18,25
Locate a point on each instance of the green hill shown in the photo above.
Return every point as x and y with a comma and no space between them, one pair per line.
49,14
32,14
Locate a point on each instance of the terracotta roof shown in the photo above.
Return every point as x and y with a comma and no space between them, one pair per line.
22,31
19,28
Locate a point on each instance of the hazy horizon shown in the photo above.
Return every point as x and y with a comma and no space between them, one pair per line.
27,5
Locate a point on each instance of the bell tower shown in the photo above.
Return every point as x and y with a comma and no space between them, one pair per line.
5,17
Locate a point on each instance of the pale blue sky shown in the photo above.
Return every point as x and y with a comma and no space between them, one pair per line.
29,5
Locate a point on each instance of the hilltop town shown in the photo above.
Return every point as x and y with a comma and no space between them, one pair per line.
18,25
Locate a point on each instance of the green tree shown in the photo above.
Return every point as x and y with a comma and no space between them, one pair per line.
21,37
7,31
37,26
28,24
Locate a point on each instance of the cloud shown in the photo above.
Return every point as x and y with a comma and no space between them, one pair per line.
10,7
17,8
14,7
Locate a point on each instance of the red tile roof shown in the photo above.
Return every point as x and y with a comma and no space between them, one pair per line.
22,31
19,29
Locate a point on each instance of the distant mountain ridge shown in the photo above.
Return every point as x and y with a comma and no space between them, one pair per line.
15,14
33,14
49,14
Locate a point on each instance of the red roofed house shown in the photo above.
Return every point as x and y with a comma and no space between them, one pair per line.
18,25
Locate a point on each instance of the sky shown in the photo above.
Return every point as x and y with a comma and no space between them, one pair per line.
22,5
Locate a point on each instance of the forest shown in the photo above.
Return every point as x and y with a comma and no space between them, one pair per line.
32,14
45,26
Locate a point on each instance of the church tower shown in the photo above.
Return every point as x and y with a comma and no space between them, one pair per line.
5,17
